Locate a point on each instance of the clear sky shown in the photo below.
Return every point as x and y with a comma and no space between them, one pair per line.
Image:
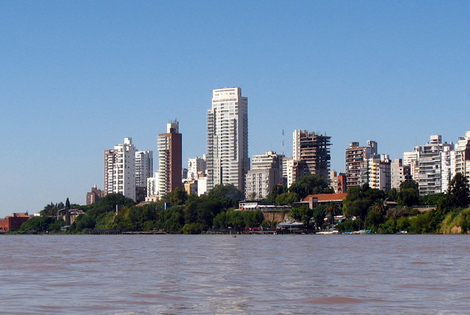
76,77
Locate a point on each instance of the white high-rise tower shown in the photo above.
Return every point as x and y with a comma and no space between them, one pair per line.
119,169
227,139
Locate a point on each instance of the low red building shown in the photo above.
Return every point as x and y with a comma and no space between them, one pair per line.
13,223
313,200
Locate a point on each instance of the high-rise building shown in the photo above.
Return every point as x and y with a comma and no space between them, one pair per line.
400,173
119,169
170,159
265,173
433,172
377,172
143,167
411,159
356,156
288,173
195,166
311,152
227,139
460,158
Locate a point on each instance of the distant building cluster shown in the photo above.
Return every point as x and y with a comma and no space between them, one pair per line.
226,161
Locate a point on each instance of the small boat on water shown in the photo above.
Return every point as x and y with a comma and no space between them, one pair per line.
332,232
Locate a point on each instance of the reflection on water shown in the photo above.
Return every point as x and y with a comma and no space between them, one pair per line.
219,274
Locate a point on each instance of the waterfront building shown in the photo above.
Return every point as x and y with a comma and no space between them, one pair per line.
433,160
338,182
410,159
190,186
377,172
311,154
143,167
399,173
170,159
227,139
13,223
94,195
201,184
152,188
356,156
460,158
196,165
119,169
265,173
288,171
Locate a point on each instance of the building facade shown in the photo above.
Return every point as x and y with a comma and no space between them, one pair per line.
119,169
432,165
355,157
265,173
460,158
143,167
400,173
94,195
227,139
311,152
377,172
170,148
195,166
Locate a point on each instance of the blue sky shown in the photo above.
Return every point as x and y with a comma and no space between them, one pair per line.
76,77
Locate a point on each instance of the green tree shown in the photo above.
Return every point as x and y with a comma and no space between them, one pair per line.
276,191
253,218
83,222
459,193
374,219
225,196
319,214
40,224
287,198
409,184
177,197
408,197
360,200
302,214
310,184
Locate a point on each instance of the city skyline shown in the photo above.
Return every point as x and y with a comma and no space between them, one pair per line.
78,77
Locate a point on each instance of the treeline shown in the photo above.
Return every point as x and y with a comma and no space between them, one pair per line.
370,207
175,213
363,208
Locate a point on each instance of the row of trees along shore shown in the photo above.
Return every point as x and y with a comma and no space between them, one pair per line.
363,208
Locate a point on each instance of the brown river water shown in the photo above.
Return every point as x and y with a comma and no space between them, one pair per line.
247,274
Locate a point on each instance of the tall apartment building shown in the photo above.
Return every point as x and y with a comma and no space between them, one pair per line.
355,157
377,173
119,169
227,138
288,166
143,167
311,152
400,173
265,173
433,172
196,166
338,182
170,152
411,159
460,158
152,188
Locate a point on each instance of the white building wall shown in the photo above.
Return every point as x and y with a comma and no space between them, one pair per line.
227,139
143,167
121,170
